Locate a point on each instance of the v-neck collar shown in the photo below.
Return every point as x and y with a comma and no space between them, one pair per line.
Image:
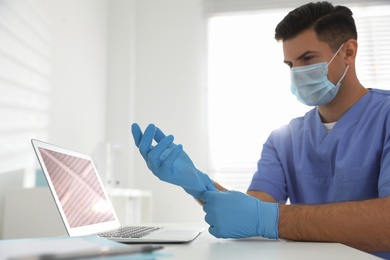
347,120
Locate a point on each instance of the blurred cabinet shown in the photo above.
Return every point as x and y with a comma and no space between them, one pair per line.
31,212
131,205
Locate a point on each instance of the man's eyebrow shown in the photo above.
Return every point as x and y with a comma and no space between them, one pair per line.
300,56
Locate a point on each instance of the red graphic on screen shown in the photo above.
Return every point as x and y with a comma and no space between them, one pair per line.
78,189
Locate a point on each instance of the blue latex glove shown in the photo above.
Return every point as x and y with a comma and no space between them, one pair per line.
234,214
169,162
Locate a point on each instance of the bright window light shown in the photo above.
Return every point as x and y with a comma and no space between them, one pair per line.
249,85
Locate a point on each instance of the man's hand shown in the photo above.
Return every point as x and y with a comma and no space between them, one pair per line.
233,214
169,162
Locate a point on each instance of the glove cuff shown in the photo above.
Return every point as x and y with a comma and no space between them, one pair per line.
268,219
208,186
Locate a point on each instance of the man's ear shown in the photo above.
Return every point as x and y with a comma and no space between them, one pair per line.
351,47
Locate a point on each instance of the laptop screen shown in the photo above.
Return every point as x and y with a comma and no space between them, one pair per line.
78,190
79,194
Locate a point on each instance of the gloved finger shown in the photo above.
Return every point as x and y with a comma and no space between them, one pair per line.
209,219
160,148
210,187
172,157
145,144
207,197
214,231
159,135
137,133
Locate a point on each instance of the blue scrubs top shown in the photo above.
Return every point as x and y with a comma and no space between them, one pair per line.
305,163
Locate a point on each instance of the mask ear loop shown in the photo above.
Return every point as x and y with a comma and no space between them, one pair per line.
345,72
342,77
336,53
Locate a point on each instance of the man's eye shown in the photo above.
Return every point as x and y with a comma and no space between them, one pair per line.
308,58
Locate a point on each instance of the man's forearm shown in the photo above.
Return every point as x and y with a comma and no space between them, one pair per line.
364,225
219,186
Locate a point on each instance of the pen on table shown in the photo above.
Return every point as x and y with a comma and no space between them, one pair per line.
100,252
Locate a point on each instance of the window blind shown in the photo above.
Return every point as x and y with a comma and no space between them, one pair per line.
25,66
373,60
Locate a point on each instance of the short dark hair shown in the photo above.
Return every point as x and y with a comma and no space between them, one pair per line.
332,24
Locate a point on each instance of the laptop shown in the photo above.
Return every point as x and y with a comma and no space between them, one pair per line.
84,204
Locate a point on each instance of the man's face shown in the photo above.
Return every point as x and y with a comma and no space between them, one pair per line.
306,49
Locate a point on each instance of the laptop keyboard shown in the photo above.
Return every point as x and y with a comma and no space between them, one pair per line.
130,232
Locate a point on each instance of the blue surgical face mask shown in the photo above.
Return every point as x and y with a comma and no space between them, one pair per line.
310,83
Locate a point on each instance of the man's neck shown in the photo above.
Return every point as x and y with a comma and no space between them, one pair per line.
344,100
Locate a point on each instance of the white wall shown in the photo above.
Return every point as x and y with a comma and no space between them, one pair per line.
79,75
132,61
120,87
170,91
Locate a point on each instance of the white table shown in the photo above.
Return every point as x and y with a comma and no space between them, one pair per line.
207,247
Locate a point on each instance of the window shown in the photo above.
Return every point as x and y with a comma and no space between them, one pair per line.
249,93
25,69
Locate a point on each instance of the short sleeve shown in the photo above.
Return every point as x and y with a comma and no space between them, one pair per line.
269,176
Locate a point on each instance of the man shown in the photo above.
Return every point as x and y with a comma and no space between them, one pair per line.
333,163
